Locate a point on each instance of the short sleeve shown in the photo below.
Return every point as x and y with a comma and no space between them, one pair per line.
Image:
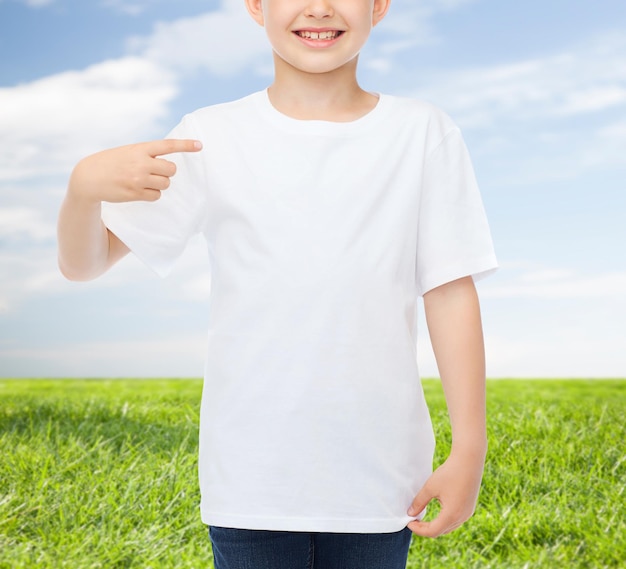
158,232
454,239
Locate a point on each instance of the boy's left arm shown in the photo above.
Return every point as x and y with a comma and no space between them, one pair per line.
454,323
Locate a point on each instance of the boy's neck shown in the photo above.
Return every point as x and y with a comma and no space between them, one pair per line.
334,96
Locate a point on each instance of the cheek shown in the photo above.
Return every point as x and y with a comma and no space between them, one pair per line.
277,28
273,35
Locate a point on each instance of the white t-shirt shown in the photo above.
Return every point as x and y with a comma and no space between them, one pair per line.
321,236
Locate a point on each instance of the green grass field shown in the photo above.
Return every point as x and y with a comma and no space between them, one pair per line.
98,473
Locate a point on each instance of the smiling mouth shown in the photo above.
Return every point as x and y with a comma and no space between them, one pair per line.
321,36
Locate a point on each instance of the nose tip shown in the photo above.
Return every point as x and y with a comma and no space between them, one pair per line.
319,9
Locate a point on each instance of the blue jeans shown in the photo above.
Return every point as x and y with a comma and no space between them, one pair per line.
255,549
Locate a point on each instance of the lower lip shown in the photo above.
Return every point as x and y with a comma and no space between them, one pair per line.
318,44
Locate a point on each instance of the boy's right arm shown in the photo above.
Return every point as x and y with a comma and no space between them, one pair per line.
128,173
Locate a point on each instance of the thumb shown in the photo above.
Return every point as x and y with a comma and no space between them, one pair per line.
424,496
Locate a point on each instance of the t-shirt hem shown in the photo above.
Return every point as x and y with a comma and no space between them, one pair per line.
327,525
478,269
133,241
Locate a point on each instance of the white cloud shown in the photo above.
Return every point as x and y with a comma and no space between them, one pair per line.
32,271
606,147
207,42
570,353
588,78
23,222
408,24
47,125
557,283
408,21
548,322
130,8
615,131
22,273
37,3
410,18
593,99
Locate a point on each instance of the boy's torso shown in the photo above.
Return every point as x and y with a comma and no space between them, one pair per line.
313,417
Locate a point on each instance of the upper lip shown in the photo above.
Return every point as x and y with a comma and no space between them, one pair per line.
318,30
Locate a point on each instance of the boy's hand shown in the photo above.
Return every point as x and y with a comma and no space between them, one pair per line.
127,173
455,484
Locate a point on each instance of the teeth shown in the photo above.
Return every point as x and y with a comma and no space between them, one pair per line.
318,35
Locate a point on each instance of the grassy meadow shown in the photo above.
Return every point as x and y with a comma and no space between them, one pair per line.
102,473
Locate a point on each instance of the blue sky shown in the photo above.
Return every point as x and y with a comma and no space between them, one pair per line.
538,88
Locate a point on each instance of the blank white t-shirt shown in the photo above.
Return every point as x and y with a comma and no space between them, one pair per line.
321,236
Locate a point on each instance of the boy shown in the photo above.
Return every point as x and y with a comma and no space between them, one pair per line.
327,211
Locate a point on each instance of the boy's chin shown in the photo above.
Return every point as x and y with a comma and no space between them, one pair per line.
314,68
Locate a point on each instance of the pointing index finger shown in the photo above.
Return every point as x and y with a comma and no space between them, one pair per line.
171,145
